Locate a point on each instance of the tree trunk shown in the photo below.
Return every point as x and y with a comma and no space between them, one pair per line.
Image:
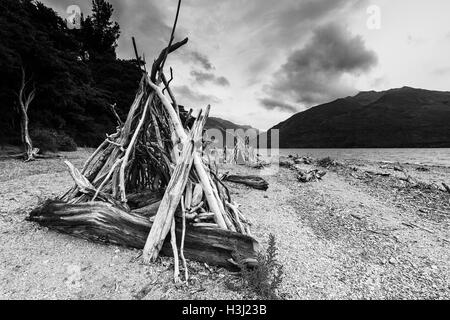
24,102
28,145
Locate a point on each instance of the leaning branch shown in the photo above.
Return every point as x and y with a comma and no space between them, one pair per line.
157,64
172,35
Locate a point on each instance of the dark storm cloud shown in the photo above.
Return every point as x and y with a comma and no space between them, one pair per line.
314,73
289,23
202,60
317,9
195,58
203,77
193,98
272,104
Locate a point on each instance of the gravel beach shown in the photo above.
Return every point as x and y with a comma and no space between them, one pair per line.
360,233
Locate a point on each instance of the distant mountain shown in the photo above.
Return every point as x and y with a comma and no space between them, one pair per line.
404,117
224,125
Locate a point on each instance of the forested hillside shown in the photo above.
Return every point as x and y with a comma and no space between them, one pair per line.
76,73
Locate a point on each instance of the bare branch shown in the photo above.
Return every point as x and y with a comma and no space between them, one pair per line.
113,110
168,82
172,36
157,63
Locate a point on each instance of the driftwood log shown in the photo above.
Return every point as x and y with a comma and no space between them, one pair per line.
102,222
251,181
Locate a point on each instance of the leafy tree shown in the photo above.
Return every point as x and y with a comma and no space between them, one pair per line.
99,32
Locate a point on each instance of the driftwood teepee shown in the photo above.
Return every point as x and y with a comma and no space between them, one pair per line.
148,186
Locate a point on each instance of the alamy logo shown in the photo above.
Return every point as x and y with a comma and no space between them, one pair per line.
73,18
374,20
241,147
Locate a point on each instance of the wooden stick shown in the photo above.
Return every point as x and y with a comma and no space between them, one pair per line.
116,115
183,237
86,164
138,59
171,37
81,181
171,95
198,163
173,243
157,63
157,132
118,162
181,134
205,225
171,199
130,149
197,207
235,212
188,196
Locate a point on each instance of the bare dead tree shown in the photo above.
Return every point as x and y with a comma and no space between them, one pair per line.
26,97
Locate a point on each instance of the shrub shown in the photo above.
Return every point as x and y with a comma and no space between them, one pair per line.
48,140
44,139
265,279
66,143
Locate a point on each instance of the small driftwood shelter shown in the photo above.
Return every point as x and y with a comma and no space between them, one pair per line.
148,186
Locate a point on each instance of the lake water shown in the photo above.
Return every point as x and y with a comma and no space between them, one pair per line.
437,157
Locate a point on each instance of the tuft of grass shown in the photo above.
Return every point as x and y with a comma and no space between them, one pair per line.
265,279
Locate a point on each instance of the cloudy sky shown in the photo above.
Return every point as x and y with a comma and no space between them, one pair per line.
258,62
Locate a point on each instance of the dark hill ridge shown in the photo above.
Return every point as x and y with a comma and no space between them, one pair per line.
224,125
404,117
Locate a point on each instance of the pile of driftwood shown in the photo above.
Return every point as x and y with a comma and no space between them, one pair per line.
310,175
301,159
303,175
148,186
